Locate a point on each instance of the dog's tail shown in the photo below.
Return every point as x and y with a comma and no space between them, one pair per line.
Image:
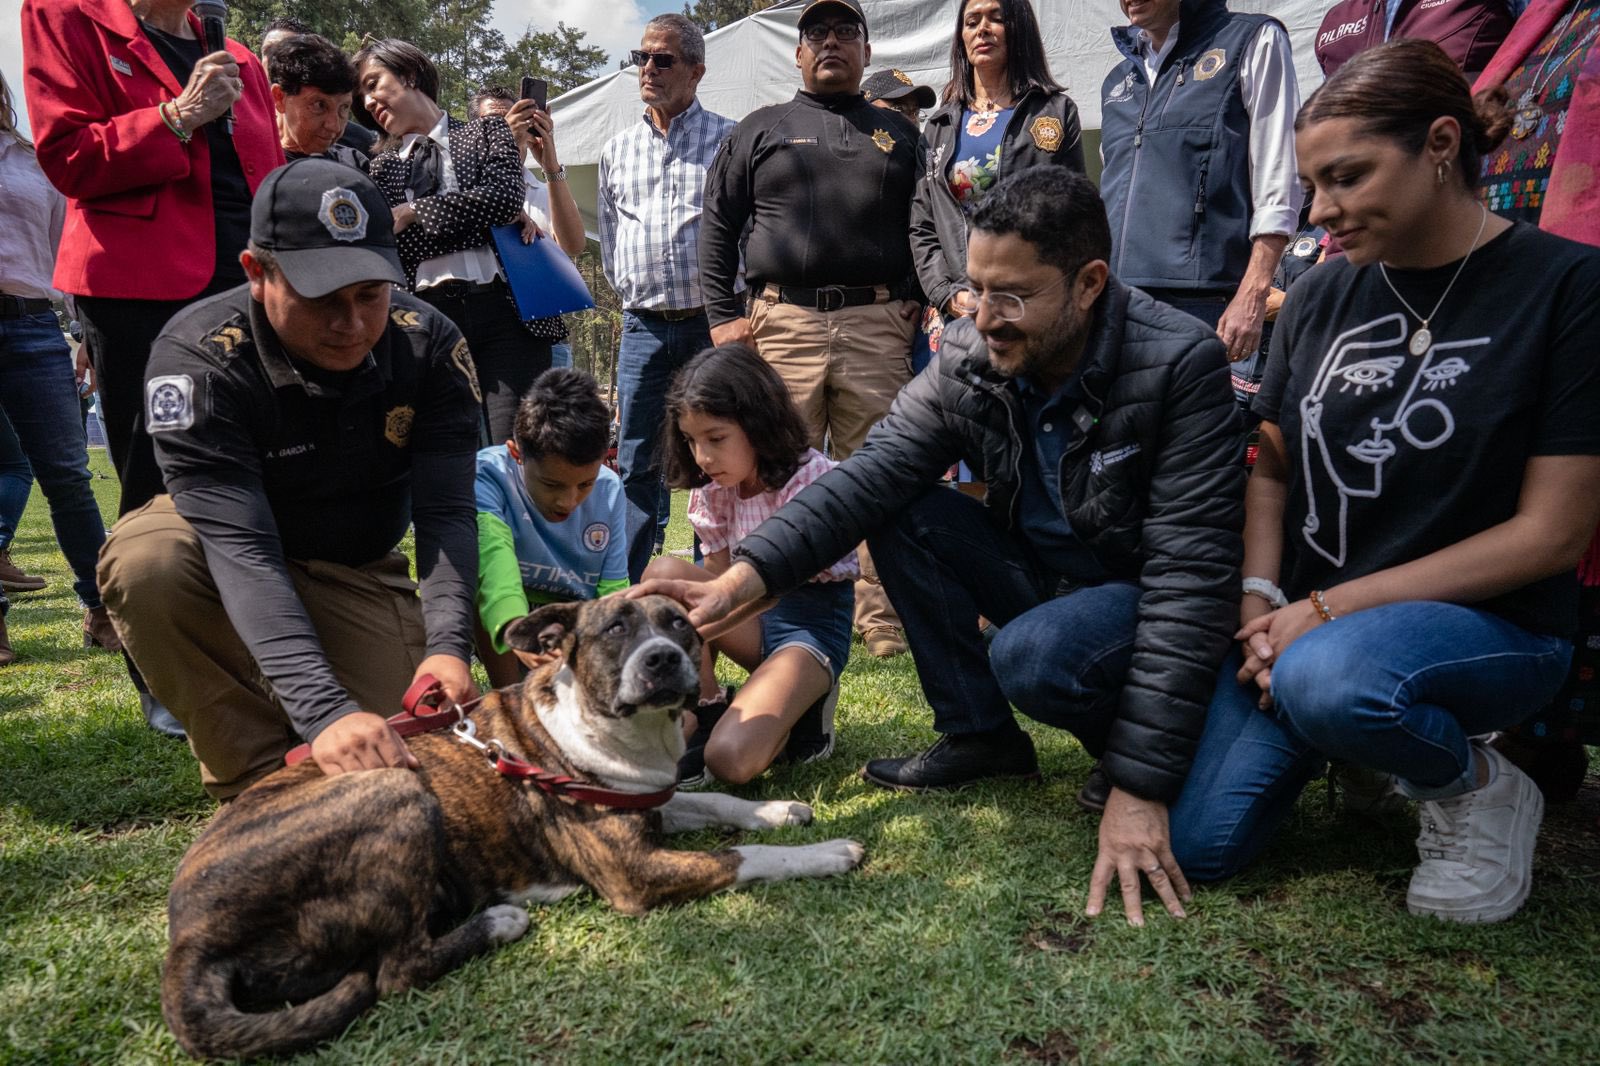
197,1001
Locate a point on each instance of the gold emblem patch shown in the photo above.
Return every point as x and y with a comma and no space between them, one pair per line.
882,139
397,425
1210,65
462,359
1047,133
901,76
228,338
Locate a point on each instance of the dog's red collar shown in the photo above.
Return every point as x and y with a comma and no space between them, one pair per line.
428,692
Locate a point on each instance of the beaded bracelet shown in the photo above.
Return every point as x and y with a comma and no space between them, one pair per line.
1321,605
172,121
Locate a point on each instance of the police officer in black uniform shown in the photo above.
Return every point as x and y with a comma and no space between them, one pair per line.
815,193
302,422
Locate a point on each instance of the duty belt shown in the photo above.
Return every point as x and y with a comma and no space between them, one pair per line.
828,297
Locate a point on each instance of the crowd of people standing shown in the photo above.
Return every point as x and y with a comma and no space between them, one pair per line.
1394,579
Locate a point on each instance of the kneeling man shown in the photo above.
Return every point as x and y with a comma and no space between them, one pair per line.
302,421
1108,546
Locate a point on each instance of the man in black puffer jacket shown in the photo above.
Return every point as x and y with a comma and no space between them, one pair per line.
1108,546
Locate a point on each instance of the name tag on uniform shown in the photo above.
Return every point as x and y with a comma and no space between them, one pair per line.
800,140
121,66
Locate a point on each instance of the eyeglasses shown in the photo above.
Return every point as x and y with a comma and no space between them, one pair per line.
1006,306
663,60
818,32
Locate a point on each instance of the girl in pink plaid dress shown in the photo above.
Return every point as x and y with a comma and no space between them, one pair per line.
734,438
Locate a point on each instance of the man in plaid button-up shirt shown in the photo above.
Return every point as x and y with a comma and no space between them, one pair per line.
652,181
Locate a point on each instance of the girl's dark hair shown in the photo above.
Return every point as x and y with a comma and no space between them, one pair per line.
731,381
1027,67
1398,90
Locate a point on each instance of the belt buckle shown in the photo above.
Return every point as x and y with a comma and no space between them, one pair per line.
826,296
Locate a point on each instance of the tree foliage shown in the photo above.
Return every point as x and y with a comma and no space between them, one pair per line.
714,14
456,34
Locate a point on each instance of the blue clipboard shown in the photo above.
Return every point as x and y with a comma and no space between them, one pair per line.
543,280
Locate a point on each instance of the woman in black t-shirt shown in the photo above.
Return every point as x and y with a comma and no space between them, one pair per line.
1428,478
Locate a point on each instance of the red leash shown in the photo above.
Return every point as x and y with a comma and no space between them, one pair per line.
428,692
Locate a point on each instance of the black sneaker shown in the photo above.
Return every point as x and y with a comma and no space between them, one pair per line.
959,760
811,739
692,764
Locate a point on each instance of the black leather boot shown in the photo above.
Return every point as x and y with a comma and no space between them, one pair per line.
958,760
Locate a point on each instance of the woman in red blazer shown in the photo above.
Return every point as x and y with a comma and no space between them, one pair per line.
123,98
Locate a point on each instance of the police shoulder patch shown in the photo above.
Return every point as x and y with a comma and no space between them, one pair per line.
461,359
1304,247
1047,133
405,319
168,403
596,535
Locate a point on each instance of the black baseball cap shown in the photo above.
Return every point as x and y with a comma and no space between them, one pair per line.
817,8
892,84
327,225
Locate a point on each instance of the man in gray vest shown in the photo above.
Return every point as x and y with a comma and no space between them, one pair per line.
1198,142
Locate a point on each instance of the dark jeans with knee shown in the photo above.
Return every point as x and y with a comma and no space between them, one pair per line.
1399,689
40,400
1060,659
652,352
507,357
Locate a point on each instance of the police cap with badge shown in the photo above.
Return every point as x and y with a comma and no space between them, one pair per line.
327,225
892,84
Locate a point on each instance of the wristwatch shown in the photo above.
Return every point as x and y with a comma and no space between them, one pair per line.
560,173
1260,586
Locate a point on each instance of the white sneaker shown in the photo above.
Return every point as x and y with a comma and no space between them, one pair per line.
1477,848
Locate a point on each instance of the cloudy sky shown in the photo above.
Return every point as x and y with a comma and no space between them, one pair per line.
616,27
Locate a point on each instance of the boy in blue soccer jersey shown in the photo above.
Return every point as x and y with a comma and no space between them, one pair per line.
551,519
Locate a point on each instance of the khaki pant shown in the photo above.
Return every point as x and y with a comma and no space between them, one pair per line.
154,578
843,369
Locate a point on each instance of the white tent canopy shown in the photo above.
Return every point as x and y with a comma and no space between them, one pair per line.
751,63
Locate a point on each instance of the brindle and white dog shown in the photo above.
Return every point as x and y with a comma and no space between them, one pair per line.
308,897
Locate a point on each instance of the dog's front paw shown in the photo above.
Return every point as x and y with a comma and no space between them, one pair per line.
846,854
506,922
774,814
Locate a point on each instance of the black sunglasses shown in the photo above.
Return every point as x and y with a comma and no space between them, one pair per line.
663,60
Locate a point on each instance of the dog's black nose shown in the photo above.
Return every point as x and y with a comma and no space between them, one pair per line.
660,658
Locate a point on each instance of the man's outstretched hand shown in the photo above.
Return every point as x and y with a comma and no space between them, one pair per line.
1135,842
715,606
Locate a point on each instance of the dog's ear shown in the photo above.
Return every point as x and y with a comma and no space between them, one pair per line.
544,629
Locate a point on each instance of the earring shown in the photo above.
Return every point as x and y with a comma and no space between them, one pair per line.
1443,172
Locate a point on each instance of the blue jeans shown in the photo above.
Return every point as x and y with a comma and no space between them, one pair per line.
1398,689
943,562
16,481
652,352
40,398
561,354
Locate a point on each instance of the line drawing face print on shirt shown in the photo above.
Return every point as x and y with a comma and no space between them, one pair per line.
1367,373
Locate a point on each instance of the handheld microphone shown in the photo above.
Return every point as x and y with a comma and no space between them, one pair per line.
213,15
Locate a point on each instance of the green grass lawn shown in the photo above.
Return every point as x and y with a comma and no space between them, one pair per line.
961,939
